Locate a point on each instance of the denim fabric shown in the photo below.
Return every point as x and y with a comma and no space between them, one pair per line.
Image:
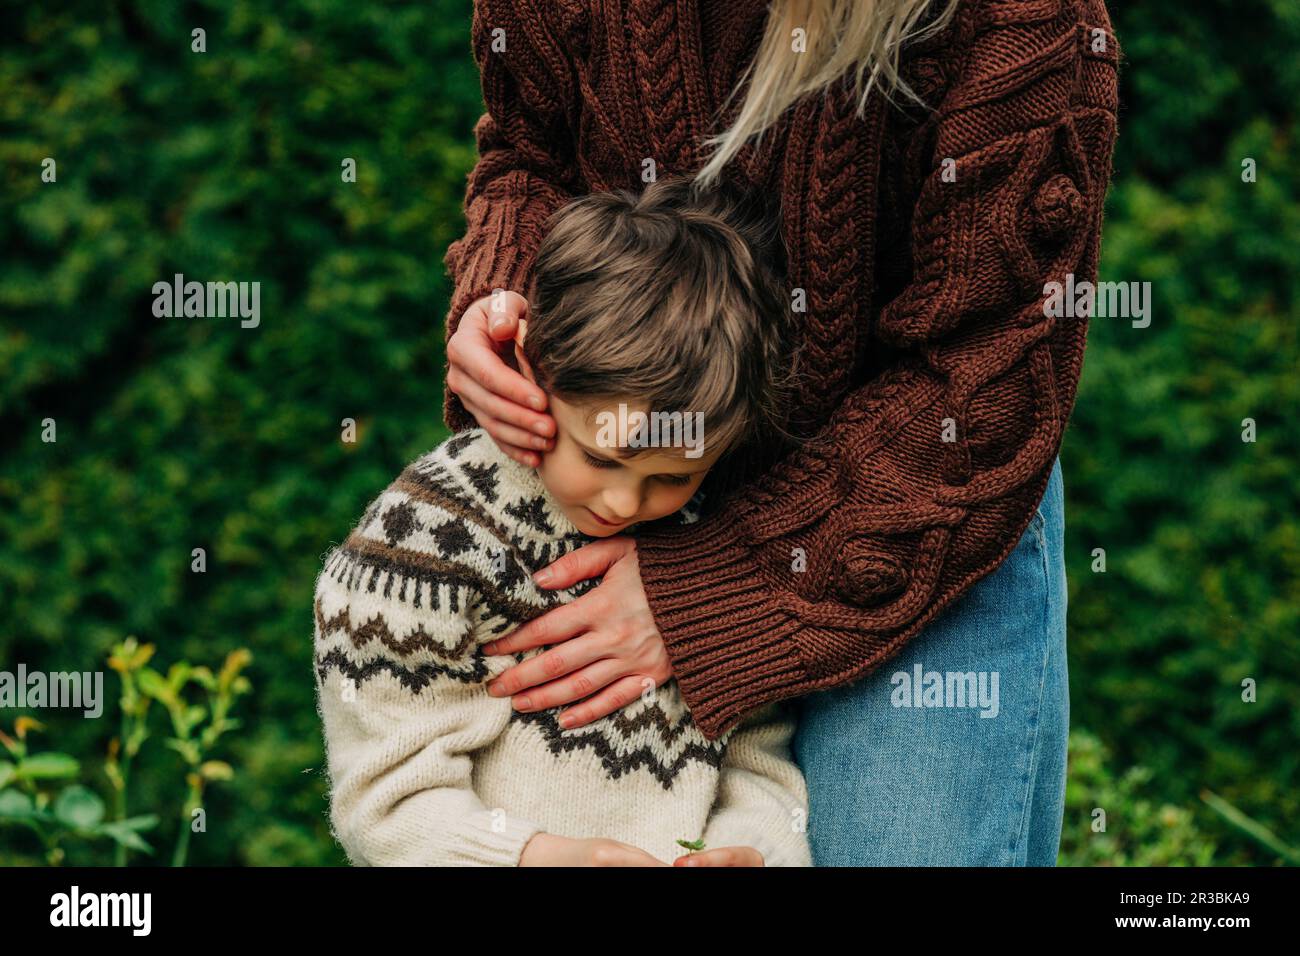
953,785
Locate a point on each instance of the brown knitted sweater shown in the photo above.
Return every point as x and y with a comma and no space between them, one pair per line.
939,390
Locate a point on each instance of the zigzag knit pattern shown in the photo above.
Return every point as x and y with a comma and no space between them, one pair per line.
427,768
937,390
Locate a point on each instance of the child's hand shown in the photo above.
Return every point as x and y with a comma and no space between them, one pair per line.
722,856
505,404
547,849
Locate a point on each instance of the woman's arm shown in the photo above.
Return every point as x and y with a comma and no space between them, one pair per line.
525,170
924,479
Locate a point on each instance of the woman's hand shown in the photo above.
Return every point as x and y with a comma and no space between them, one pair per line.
507,406
619,649
722,856
547,849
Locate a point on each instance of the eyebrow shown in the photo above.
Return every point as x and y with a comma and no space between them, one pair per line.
625,452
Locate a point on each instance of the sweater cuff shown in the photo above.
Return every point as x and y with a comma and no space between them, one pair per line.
714,611
491,840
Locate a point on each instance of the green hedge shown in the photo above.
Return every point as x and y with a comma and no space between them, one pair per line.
175,434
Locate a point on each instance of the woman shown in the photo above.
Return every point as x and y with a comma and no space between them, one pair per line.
938,164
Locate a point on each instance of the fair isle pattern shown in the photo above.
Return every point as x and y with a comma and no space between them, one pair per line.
462,530
427,768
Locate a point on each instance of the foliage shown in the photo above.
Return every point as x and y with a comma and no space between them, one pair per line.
180,434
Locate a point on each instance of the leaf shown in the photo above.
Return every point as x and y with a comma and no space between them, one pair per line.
15,805
146,821
216,770
153,684
24,724
126,835
6,773
79,808
1252,828
48,766
692,844
186,748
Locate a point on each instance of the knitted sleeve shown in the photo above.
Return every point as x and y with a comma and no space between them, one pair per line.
525,168
762,798
401,697
924,478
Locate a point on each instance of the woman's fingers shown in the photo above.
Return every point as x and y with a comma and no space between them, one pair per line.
524,456
575,686
473,349
556,625
503,311
614,697
501,415
590,561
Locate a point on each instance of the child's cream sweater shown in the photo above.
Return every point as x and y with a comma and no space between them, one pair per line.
427,768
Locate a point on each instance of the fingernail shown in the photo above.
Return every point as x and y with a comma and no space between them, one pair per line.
490,647
496,324
494,690
540,428
536,402
543,576
539,442
523,702
567,721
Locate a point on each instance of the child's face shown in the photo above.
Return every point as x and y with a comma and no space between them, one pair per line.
590,482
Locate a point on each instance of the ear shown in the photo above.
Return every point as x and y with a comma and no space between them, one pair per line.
525,369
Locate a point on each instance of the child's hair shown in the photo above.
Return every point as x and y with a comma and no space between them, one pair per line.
674,298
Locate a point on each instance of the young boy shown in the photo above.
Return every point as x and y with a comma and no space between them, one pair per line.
666,303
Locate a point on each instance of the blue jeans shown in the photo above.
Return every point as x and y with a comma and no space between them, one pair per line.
967,773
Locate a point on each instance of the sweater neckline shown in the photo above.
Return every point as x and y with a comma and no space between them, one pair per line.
527,485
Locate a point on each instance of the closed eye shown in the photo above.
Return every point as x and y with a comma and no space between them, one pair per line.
606,463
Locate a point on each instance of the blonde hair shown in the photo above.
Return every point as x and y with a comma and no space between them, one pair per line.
862,36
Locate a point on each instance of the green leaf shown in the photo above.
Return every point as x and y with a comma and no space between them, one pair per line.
186,748
216,770
145,821
79,808
7,773
16,805
48,766
127,836
153,684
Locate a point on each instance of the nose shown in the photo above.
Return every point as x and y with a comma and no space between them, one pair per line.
623,501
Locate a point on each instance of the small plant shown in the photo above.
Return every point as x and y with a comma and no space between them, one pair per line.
75,812
197,723
693,845
128,659
192,743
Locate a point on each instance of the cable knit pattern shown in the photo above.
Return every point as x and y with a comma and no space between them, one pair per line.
922,475
427,768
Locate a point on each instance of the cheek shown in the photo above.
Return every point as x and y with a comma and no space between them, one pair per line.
669,498
567,479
